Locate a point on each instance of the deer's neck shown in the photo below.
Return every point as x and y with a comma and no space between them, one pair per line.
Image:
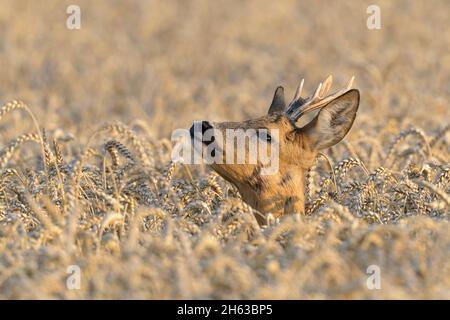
277,194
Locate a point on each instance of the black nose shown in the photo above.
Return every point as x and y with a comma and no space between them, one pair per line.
191,131
205,126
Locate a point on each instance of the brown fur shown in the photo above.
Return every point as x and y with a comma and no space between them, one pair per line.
283,193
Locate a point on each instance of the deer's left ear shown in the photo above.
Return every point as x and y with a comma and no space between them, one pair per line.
333,122
278,103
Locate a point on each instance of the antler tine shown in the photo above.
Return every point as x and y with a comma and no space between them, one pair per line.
299,90
317,92
319,99
326,86
350,83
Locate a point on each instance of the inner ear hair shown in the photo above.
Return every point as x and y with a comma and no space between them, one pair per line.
333,121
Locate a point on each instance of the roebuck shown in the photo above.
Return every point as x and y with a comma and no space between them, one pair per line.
283,192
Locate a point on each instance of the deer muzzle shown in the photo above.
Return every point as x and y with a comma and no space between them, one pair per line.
198,130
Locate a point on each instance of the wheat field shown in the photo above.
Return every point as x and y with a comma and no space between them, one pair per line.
86,177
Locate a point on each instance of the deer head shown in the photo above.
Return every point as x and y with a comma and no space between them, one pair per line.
281,192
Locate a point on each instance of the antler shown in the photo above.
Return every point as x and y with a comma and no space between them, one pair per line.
299,106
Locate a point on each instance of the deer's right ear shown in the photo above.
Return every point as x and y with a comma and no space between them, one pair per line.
278,103
333,121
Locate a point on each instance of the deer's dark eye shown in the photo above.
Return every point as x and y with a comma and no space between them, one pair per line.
265,136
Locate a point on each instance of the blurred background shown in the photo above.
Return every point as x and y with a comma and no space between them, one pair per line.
172,62
159,65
